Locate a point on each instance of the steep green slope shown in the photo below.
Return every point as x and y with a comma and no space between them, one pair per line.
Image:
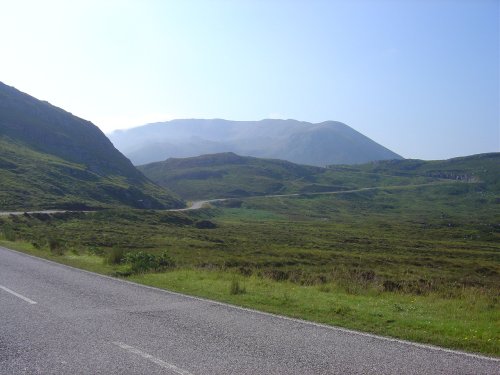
227,175
52,159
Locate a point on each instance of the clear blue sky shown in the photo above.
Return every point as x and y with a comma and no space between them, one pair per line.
420,77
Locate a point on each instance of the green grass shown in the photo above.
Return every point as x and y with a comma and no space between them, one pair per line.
481,168
428,319
86,261
35,180
228,175
470,320
419,263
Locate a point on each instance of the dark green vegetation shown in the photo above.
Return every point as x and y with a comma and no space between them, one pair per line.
482,169
415,262
52,159
228,175
329,142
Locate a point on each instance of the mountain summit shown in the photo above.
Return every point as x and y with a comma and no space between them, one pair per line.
52,159
300,142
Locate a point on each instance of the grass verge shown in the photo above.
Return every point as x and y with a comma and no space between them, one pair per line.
468,321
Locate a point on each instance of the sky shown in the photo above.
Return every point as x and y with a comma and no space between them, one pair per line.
420,77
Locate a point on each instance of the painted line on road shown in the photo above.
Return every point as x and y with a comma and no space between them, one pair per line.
247,309
18,295
149,357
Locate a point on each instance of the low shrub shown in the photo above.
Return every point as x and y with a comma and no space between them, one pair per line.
275,274
165,261
391,286
39,243
95,251
9,234
56,246
236,288
122,273
205,224
142,262
115,256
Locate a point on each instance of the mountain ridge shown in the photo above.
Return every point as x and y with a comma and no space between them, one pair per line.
318,144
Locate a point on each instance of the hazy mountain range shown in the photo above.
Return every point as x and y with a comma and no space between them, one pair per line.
52,159
320,144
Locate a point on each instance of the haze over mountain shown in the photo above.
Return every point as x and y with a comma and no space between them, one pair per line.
52,159
300,142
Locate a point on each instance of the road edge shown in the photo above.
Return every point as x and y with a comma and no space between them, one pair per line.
246,309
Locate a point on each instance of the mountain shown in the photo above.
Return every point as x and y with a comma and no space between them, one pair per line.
320,144
227,175
52,159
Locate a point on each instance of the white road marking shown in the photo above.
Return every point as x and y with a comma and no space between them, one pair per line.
149,357
18,295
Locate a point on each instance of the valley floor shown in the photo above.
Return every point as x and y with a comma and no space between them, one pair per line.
410,263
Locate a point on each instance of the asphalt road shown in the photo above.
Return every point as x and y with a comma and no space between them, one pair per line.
59,320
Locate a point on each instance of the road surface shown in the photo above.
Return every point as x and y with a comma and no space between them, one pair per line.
59,320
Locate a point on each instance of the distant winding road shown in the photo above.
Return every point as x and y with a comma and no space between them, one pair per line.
60,320
196,205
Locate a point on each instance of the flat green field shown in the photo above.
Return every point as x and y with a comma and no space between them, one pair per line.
417,262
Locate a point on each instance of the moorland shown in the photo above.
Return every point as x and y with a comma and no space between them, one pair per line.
416,256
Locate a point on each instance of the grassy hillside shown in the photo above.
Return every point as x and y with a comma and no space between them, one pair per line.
483,169
34,180
229,175
52,159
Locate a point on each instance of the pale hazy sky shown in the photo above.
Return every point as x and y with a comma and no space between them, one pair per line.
420,77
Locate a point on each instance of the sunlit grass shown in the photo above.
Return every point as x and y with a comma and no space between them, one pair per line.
421,263
468,321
